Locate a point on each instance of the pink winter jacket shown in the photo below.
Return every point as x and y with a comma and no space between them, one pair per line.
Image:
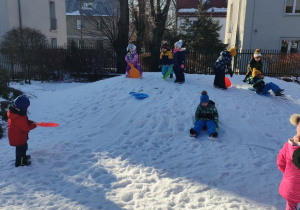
289,187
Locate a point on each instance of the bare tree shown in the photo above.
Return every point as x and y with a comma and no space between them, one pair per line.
159,13
110,20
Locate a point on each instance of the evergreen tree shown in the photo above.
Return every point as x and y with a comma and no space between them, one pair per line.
203,34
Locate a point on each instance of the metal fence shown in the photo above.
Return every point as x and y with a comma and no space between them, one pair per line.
94,63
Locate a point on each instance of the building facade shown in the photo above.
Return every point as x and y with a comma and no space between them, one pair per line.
264,24
87,20
47,16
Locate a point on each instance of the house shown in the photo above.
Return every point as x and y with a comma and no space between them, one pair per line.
216,9
267,24
86,21
47,16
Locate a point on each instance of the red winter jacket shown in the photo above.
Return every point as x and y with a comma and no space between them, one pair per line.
18,127
289,187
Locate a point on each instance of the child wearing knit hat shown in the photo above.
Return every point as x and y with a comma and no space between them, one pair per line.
288,162
255,62
263,88
222,64
18,127
206,116
166,60
132,58
179,62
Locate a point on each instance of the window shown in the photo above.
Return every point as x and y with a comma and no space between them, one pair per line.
290,46
99,25
292,7
53,21
54,42
80,43
208,2
79,24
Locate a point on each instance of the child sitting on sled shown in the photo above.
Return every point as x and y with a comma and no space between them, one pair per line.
256,63
166,60
206,116
261,87
132,58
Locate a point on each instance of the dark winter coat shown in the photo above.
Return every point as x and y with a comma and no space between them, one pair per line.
258,84
166,58
179,58
253,64
207,113
224,62
18,126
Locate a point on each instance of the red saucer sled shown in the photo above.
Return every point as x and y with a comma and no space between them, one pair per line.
48,124
227,82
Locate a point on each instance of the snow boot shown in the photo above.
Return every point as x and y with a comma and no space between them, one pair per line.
214,135
193,133
171,76
279,92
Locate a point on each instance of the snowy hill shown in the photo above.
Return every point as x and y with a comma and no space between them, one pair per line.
112,151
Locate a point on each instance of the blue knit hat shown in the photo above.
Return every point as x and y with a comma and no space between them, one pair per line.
22,102
204,97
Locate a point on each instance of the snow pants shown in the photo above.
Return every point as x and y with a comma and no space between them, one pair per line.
179,73
210,124
219,78
21,154
166,68
270,86
290,205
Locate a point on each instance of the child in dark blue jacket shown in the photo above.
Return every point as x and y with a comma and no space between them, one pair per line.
220,66
179,62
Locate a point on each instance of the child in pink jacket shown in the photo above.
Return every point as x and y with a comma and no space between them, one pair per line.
288,162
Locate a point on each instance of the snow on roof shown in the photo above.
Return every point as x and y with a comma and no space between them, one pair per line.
190,10
215,9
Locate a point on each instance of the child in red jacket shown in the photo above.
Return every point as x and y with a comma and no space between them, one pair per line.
18,127
288,162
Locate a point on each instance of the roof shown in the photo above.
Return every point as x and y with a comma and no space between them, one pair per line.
188,4
92,7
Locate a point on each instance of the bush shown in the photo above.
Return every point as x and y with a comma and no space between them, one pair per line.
4,82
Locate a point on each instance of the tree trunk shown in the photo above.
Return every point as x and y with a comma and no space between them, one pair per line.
122,38
160,17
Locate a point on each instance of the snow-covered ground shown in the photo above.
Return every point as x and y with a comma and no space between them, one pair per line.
112,151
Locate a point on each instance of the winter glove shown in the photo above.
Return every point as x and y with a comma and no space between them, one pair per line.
182,66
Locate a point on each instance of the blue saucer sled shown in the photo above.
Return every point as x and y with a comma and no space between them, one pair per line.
139,95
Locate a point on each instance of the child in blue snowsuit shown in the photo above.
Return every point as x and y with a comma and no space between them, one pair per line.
220,66
166,60
261,87
206,116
